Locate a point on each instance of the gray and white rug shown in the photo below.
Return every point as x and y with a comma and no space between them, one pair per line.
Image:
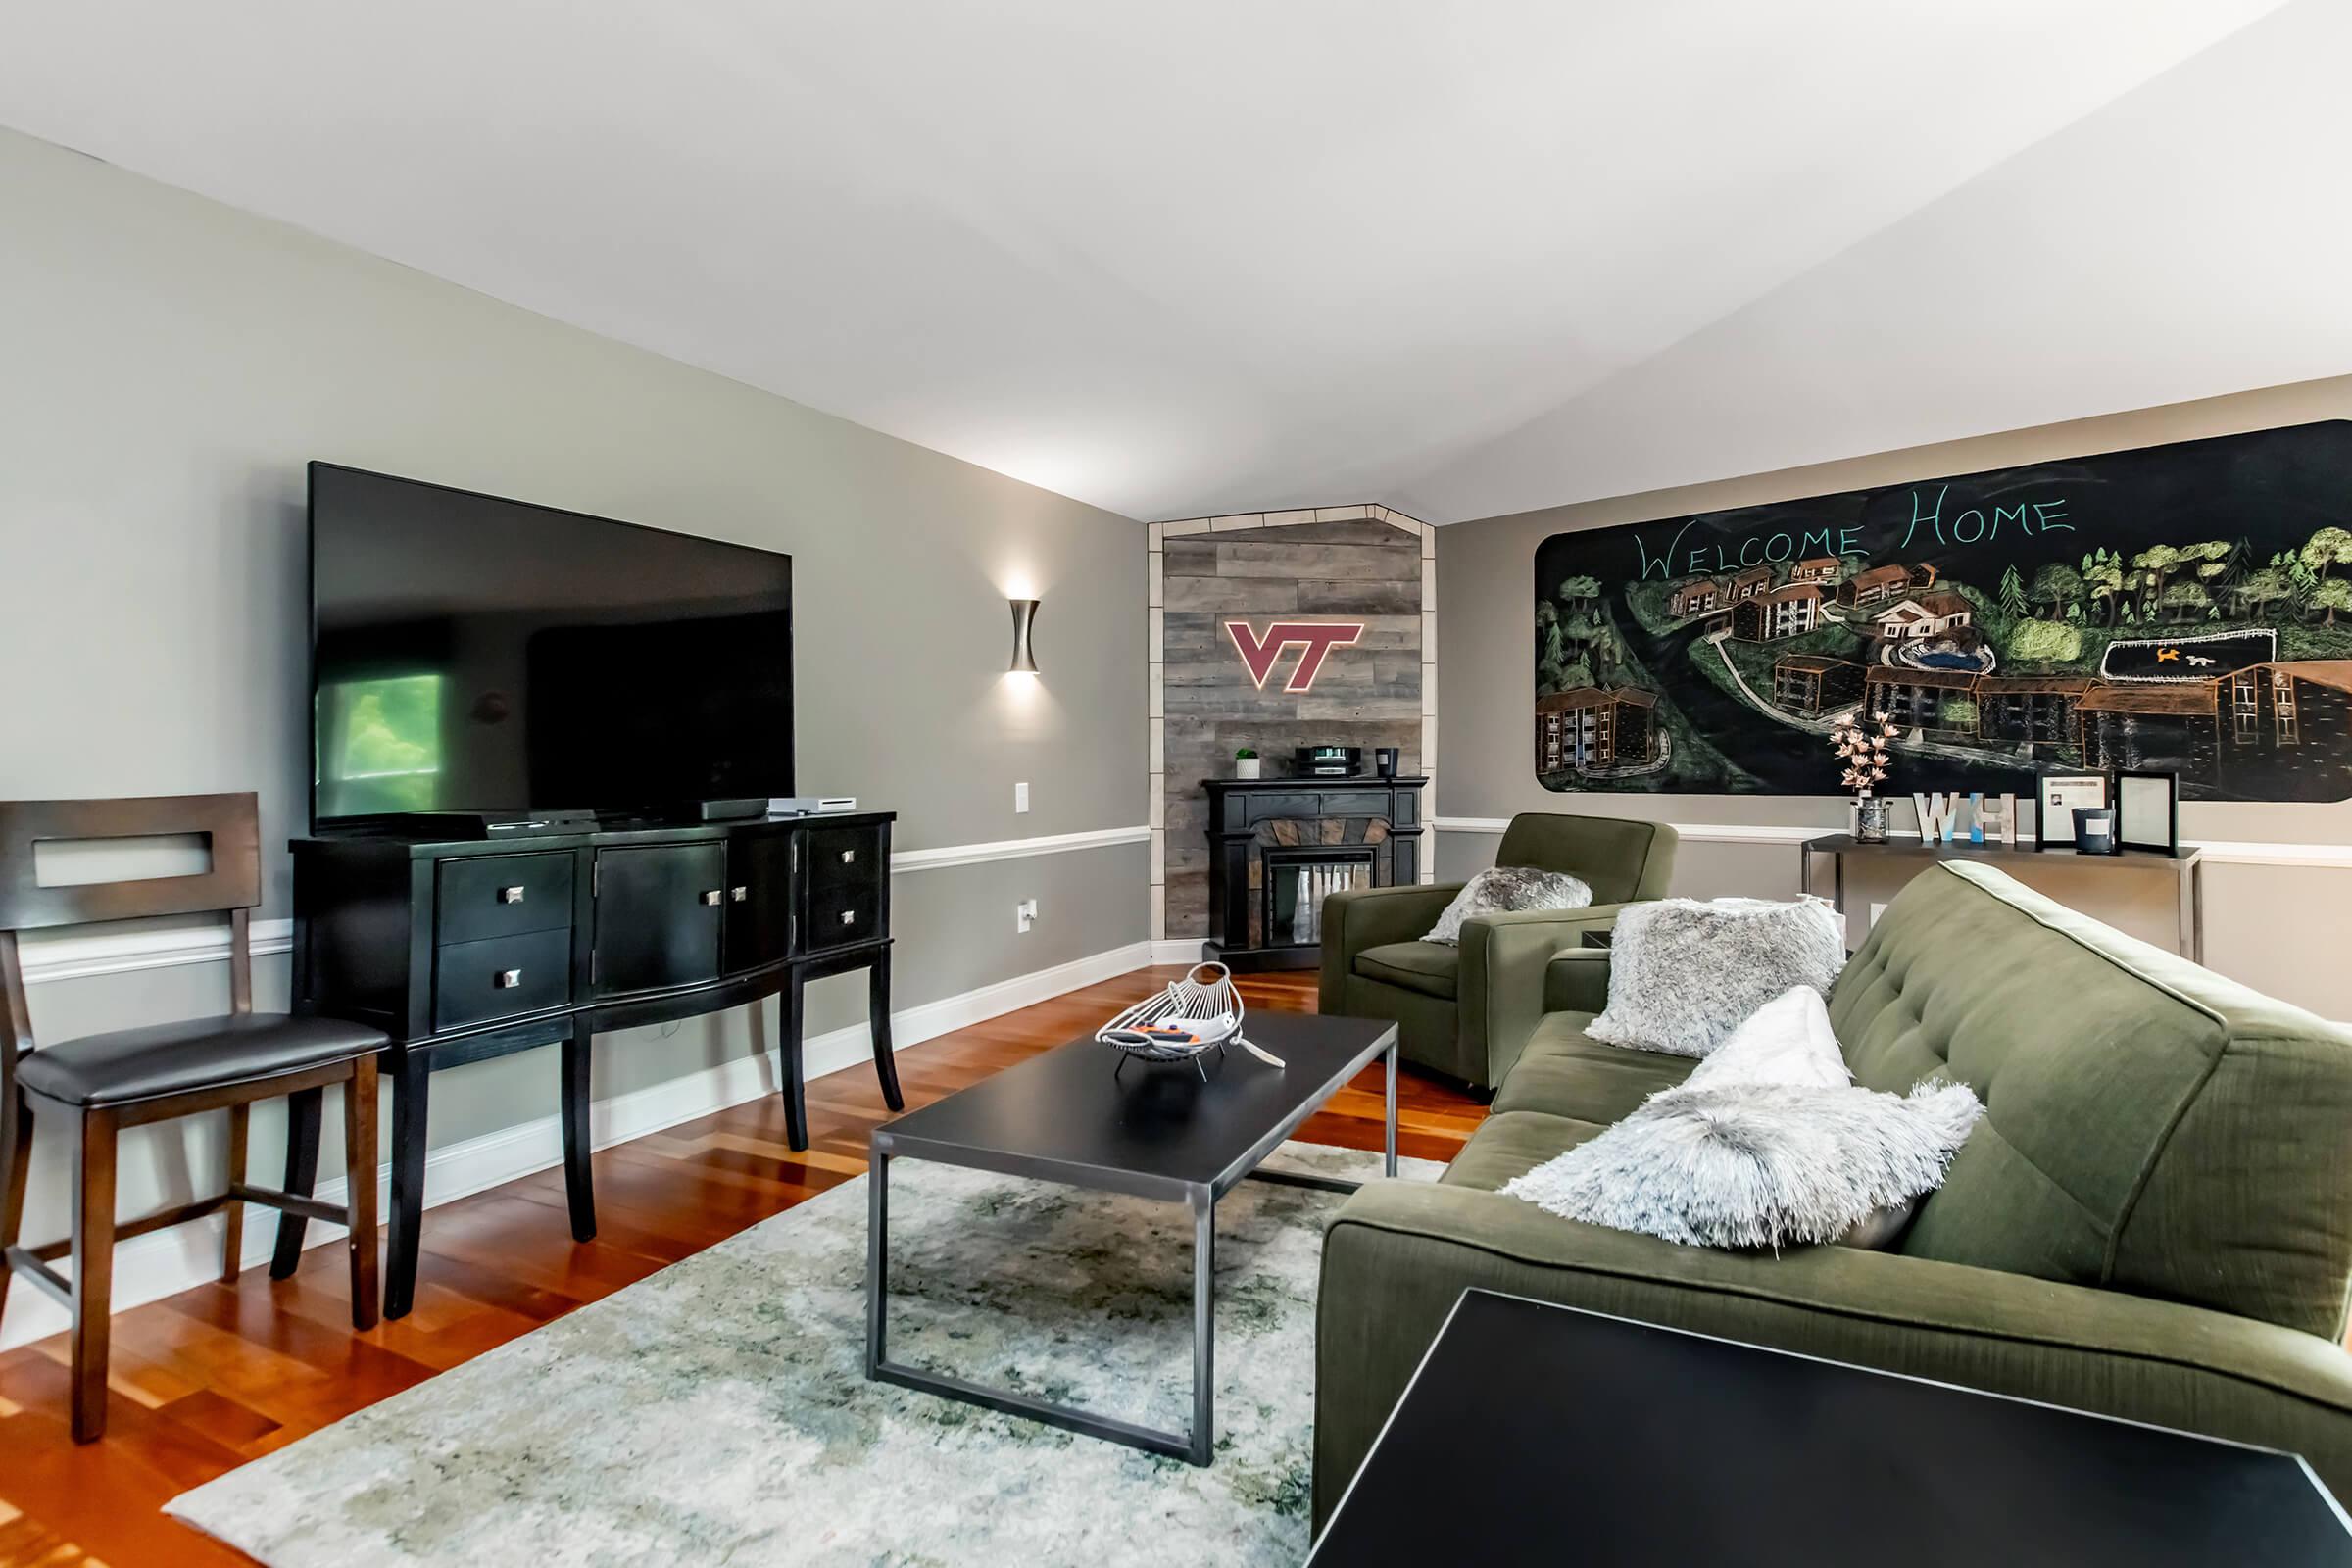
718,1413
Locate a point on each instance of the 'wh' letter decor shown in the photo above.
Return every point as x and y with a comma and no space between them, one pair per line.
1317,638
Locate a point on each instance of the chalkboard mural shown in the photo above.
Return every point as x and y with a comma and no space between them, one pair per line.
2184,607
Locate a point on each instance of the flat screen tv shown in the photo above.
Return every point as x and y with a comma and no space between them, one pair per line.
491,656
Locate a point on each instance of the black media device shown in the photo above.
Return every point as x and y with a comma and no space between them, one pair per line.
481,666
1329,761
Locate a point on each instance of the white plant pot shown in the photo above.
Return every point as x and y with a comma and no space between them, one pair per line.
1246,766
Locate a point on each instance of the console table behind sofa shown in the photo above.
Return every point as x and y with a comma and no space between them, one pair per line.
464,950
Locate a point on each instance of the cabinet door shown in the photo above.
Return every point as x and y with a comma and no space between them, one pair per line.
758,900
658,908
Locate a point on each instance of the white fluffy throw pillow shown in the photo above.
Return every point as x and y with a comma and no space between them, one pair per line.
1786,1041
1752,1165
1684,972
1503,890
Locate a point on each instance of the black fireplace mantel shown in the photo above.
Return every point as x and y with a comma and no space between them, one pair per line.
1238,807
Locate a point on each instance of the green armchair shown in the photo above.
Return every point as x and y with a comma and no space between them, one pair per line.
1468,1012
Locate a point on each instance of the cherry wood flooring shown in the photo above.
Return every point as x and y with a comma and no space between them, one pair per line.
208,1379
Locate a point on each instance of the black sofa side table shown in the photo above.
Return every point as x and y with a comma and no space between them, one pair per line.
464,950
1586,1426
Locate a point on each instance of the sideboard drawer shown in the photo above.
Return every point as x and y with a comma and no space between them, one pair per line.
845,857
503,895
502,977
839,917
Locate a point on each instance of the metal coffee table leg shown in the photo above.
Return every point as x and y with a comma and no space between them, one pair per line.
1205,1326
1195,1446
1389,1128
1198,1444
1340,1184
877,1259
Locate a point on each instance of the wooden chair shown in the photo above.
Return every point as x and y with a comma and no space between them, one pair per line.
100,1084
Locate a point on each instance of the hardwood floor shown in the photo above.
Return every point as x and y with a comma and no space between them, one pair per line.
205,1380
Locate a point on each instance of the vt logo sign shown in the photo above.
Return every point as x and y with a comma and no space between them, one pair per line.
1315,638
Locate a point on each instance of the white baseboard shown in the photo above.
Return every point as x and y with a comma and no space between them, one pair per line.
1178,950
166,1263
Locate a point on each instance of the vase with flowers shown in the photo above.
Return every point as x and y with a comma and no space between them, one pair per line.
1861,744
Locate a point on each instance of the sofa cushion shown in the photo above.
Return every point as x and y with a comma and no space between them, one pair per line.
1565,1072
1433,969
2149,1126
1511,1144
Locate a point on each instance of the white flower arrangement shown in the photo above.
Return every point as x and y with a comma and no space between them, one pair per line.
1861,745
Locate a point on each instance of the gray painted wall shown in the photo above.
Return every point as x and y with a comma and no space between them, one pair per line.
2277,928
167,367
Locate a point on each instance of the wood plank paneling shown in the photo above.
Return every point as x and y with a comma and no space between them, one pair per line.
1367,695
220,1373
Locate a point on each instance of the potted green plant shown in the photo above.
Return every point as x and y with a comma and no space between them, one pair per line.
1244,763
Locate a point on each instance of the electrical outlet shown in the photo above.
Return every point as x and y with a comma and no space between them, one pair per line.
1025,915
1020,798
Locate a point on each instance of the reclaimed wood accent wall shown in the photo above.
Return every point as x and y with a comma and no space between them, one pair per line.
1360,565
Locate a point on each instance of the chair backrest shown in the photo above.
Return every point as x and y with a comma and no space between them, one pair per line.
2149,1125
233,884
1620,858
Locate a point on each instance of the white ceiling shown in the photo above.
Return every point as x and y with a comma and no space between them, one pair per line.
1224,255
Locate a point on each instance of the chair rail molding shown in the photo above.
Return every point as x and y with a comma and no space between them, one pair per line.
2218,852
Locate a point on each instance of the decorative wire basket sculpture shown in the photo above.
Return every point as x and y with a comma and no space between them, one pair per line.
1185,1022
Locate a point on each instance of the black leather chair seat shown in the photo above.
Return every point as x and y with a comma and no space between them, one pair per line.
163,1059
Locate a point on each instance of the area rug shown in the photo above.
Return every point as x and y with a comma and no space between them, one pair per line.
718,1411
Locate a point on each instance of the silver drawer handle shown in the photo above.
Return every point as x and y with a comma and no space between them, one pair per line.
739,894
510,895
847,855
506,979
849,917
711,897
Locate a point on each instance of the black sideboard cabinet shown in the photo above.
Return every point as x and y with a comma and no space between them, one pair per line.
462,950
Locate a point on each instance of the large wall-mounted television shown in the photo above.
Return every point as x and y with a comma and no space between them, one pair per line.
486,657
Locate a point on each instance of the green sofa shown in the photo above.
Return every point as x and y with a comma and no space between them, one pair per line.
2152,1220
1468,1011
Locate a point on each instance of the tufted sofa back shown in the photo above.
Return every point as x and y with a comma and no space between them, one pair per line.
2149,1125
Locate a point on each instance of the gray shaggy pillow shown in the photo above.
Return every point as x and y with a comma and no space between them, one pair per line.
1504,890
1761,1165
1684,973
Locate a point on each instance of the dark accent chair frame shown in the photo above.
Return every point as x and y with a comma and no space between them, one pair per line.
232,886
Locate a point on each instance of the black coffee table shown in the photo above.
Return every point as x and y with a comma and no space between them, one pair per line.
1073,1116
1539,1434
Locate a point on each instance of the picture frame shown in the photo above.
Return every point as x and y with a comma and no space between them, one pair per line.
2147,811
2055,797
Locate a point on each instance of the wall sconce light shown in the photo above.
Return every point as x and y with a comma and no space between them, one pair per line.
1025,653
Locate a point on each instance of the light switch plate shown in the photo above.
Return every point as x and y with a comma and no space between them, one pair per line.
1020,798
